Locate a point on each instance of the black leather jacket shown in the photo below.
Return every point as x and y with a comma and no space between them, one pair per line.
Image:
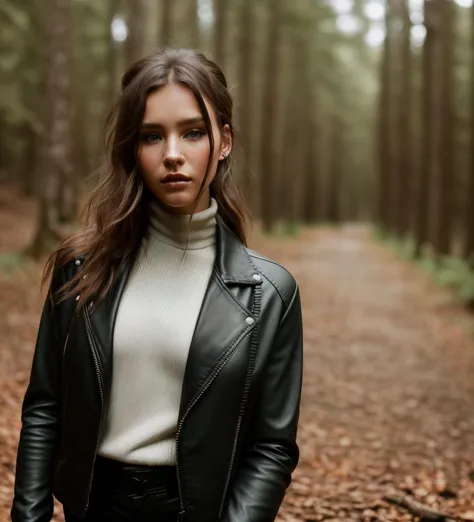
236,446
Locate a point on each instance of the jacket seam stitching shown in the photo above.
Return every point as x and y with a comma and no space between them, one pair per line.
292,300
230,295
237,340
279,291
266,260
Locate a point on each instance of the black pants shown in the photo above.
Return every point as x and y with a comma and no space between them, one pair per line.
125,493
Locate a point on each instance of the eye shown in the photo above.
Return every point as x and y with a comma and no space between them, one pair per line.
195,134
150,137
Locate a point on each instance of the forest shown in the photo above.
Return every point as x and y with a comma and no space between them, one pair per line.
346,110
355,152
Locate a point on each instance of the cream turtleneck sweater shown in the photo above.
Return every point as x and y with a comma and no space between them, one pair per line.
155,323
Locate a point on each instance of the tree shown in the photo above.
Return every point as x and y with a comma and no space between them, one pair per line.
192,24
166,22
112,50
469,209
445,183
137,22
268,158
56,166
336,167
403,196
245,99
30,87
220,32
384,143
311,173
429,108
311,181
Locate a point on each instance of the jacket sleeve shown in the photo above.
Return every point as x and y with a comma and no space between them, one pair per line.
270,453
33,499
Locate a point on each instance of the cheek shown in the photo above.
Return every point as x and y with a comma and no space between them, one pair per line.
202,152
198,157
149,160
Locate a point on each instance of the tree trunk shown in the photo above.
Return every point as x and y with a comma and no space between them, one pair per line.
310,172
112,51
404,123
30,87
56,166
84,160
63,125
469,212
193,24
384,144
30,154
335,170
166,23
424,188
245,99
311,197
469,209
295,117
268,158
444,211
137,22
393,160
220,32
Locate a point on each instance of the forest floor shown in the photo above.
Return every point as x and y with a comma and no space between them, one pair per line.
388,401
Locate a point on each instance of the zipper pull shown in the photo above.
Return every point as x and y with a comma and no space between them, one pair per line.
181,516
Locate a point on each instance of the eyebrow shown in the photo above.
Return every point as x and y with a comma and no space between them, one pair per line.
188,121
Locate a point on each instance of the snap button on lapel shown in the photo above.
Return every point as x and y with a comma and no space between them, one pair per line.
257,277
77,262
250,320
78,297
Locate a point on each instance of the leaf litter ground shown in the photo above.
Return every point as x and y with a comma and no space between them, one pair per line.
388,400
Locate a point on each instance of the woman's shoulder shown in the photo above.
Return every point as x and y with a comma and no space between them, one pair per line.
276,274
64,271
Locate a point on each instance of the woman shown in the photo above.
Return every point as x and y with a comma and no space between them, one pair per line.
167,373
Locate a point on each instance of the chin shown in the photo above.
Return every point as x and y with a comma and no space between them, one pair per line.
180,203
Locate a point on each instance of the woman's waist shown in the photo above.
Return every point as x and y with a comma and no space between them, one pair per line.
135,476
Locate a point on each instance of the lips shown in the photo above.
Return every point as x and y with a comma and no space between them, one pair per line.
176,178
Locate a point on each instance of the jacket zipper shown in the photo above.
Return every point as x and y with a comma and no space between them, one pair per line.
245,394
101,390
183,418
63,438
65,344
234,451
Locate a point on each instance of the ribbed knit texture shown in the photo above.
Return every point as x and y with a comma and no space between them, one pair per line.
155,323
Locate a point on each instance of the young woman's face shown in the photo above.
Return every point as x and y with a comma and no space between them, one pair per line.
174,148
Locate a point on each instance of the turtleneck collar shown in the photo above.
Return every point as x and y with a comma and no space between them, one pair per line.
178,231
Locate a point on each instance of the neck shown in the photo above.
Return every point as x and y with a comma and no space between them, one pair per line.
183,230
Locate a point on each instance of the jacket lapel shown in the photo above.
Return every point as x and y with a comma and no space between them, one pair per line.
102,320
223,321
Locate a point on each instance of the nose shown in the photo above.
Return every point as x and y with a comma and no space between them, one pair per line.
173,154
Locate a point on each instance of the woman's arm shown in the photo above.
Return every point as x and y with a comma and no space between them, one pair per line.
271,453
33,499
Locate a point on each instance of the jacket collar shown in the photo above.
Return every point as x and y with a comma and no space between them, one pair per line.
233,262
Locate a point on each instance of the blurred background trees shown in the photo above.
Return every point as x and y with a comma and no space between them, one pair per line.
346,110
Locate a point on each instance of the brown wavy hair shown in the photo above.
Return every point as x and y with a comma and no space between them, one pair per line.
116,216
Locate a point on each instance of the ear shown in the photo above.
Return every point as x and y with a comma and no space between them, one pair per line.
226,144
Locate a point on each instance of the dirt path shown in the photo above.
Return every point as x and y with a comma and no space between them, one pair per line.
388,399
